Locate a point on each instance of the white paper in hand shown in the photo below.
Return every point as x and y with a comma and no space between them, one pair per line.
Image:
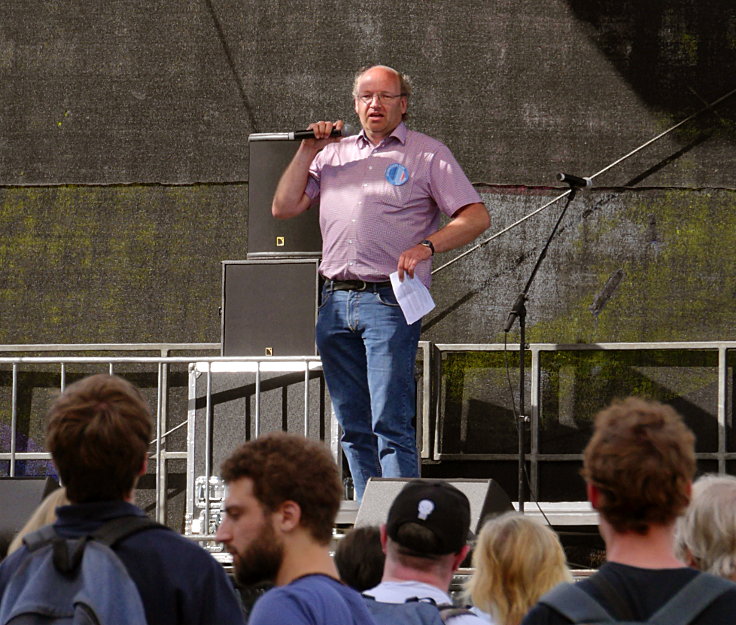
413,297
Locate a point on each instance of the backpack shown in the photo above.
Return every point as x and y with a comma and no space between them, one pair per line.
413,611
694,597
79,581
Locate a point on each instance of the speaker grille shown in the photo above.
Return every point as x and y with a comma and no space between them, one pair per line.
269,307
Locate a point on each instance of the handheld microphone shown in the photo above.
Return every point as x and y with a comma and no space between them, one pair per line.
297,135
574,181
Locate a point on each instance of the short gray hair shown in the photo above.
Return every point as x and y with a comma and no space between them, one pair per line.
707,531
405,86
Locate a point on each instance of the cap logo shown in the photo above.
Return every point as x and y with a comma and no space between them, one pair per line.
425,508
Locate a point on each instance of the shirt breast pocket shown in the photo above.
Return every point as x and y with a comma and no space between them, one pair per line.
398,185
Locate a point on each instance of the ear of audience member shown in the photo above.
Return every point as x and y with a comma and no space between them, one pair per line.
516,561
43,515
359,558
706,534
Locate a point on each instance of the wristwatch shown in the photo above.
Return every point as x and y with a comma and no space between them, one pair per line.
427,243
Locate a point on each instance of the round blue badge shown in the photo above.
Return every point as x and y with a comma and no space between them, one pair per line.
397,174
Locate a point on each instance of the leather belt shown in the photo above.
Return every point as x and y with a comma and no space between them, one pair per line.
355,285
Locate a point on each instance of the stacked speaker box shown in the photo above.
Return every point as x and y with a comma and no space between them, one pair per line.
269,301
486,497
269,307
298,237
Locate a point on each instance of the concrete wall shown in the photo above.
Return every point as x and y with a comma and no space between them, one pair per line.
123,155
124,160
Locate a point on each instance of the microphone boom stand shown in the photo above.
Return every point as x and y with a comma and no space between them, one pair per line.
519,311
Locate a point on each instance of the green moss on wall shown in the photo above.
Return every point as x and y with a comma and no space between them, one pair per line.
116,264
677,252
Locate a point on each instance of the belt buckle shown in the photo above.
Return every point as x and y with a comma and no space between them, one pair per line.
364,285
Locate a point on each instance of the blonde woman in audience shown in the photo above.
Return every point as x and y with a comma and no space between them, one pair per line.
516,561
43,515
706,534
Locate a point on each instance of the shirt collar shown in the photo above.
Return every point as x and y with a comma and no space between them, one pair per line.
399,133
95,511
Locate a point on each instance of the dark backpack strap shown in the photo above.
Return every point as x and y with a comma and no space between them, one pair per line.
108,533
448,611
691,600
66,552
115,530
575,604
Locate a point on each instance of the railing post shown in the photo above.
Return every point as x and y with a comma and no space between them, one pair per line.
13,419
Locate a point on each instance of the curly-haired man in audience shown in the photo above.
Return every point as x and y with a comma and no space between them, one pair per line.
638,467
284,493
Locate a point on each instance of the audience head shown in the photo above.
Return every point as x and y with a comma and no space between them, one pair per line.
278,484
98,433
516,560
427,529
706,534
359,557
640,461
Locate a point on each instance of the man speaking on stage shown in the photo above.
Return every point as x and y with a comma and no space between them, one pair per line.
381,193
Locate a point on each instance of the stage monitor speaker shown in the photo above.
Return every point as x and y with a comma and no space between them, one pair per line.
267,236
486,498
269,307
20,496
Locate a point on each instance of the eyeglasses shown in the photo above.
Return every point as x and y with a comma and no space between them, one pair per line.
367,98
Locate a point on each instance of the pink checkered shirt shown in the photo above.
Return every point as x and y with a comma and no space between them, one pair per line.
377,201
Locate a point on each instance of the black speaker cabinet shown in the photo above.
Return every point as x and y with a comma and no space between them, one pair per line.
299,236
269,307
485,495
20,496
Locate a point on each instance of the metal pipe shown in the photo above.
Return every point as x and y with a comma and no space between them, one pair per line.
689,118
160,463
257,416
13,419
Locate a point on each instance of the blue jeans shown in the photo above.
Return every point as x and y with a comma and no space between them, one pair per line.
368,357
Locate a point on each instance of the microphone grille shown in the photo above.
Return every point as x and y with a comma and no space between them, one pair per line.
348,130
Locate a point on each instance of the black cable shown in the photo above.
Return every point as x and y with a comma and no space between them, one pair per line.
708,107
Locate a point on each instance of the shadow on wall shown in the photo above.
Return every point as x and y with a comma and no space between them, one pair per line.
672,53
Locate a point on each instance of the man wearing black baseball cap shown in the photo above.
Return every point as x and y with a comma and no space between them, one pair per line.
425,541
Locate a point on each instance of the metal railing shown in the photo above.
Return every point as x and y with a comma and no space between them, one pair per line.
162,363
535,456
17,357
